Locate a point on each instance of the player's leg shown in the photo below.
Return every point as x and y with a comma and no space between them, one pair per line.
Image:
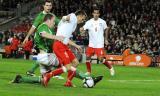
32,70
74,64
77,73
67,67
74,61
60,51
26,79
89,53
47,72
101,56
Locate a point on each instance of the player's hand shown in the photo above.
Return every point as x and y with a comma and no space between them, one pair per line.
79,48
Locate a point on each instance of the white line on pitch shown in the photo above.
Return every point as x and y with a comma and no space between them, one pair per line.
134,80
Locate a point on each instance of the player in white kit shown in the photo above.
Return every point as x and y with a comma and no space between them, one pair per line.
96,28
68,60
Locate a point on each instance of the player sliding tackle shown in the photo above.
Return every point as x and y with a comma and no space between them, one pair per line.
65,29
47,61
45,68
43,40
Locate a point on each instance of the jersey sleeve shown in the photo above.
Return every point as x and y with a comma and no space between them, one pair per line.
72,17
86,26
37,21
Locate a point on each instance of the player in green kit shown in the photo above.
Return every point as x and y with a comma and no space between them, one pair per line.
47,7
43,38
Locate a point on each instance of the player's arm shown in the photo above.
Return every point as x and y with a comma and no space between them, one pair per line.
32,29
49,36
107,31
84,28
36,22
66,18
70,42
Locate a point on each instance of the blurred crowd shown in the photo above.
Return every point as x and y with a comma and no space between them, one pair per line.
135,24
7,5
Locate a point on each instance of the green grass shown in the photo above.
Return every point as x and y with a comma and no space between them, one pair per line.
128,81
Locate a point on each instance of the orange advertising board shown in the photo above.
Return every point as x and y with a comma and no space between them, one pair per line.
137,60
114,57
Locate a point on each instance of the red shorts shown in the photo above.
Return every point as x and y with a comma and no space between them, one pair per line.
97,51
63,52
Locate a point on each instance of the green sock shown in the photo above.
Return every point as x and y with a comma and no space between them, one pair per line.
30,79
81,75
35,66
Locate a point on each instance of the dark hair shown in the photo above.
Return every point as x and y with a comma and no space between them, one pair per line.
96,8
81,12
48,16
49,1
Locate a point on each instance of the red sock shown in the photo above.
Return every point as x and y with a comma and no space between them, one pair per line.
107,64
56,72
88,64
72,74
69,73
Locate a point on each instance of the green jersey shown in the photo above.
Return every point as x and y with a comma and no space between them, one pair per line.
43,43
37,22
40,17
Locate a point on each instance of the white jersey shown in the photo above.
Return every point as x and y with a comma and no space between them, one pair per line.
96,32
66,28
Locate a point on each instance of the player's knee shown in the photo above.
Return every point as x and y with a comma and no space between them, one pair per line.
64,69
68,66
75,63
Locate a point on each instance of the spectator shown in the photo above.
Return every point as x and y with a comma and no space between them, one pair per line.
14,46
28,48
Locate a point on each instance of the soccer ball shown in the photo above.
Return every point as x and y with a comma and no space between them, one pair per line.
88,82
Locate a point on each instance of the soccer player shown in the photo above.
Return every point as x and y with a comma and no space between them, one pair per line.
65,29
96,27
47,7
43,38
44,68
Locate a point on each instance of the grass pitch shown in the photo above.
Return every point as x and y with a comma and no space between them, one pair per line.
128,81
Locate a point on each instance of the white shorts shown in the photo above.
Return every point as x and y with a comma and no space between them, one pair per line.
48,59
44,69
